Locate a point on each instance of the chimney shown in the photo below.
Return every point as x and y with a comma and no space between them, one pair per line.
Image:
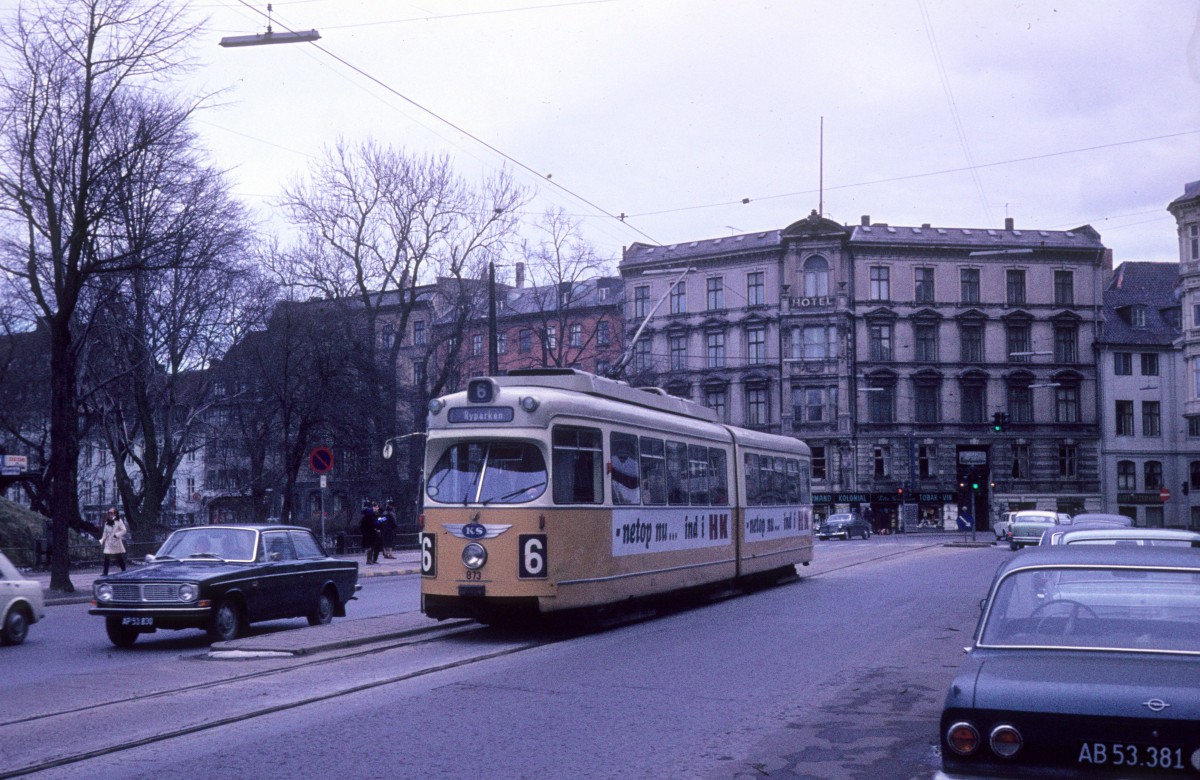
1008,223
520,274
866,220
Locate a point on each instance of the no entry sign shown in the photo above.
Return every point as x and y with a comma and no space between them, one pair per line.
321,460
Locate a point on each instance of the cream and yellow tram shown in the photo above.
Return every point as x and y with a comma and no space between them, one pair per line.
552,490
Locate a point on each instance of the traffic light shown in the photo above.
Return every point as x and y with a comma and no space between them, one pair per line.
1000,422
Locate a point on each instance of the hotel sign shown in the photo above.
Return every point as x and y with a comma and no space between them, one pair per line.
812,302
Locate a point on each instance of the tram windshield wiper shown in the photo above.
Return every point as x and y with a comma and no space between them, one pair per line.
513,493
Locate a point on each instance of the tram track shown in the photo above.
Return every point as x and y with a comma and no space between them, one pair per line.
237,699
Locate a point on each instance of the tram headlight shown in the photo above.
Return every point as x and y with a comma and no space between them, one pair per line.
436,405
474,555
529,403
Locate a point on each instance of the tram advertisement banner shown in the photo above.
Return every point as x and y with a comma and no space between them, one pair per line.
650,530
776,522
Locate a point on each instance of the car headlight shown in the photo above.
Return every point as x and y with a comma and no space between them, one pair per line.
103,592
474,556
188,592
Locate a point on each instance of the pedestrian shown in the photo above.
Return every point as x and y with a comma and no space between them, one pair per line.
387,526
112,539
370,535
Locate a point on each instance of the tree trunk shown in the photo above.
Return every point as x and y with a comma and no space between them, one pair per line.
64,452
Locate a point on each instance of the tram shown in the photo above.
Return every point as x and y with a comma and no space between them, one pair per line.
554,490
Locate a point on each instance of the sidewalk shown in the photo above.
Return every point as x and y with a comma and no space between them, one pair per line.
404,562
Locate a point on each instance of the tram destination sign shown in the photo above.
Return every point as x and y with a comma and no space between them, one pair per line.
480,414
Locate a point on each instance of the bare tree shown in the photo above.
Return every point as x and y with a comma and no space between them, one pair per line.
76,119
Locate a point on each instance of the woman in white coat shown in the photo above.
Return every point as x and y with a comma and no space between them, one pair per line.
112,539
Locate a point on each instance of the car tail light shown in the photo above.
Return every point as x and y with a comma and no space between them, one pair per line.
1006,740
963,738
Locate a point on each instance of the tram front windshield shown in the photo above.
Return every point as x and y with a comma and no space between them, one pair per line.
488,472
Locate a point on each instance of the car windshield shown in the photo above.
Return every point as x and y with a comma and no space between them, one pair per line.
488,472
1098,608
229,544
839,518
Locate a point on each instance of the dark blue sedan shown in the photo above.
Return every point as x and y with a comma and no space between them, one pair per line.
221,578
1085,663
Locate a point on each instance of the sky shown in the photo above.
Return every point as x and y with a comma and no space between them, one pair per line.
673,112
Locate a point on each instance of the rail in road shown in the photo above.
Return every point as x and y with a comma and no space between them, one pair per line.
194,694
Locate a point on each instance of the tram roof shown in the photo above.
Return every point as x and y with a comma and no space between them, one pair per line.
574,380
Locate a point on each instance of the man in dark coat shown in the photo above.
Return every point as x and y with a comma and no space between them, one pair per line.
370,535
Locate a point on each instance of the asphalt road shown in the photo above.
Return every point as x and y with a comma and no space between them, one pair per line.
838,675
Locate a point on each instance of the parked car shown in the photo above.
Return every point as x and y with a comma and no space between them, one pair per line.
21,603
1103,518
1097,533
844,526
1001,527
1028,525
1084,663
222,578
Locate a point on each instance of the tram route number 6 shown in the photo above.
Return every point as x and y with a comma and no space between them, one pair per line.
428,555
533,556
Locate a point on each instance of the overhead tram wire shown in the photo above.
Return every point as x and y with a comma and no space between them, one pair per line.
540,177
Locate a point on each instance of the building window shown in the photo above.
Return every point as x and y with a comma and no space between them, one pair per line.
757,412
1068,461
973,402
602,334
1020,462
928,405
1137,316
501,343
927,342
715,291
1151,418
389,335
927,461
418,373
756,345
881,286
923,285
816,277
881,404
819,470
1124,418
1152,475
419,332
1020,403
1066,404
968,279
715,399
814,342
477,344
1194,243
1064,288
641,301
814,404
525,340
679,298
880,339
1015,284
1194,475
551,337
641,356
1193,425
1066,344
1149,364
575,335
602,367
1126,475
714,347
1123,363
678,346
756,293
1018,342
882,458
970,339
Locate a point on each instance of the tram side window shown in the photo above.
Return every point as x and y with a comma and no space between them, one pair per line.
677,465
793,481
753,493
578,465
626,479
654,472
698,474
717,479
805,484
766,480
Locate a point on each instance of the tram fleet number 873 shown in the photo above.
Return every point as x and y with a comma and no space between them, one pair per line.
553,490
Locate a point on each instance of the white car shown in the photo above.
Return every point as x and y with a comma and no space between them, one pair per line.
1001,526
21,603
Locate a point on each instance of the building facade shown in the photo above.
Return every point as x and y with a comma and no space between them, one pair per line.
1186,210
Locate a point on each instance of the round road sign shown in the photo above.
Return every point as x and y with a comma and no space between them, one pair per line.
321,460
1164,494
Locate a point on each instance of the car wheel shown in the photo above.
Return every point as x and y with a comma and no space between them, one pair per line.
16,626
227,622
119,635
1014,546
866,534
322,612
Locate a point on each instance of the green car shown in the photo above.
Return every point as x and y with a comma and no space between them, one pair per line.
1027,526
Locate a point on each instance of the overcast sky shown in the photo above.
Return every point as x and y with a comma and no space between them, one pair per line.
672,112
